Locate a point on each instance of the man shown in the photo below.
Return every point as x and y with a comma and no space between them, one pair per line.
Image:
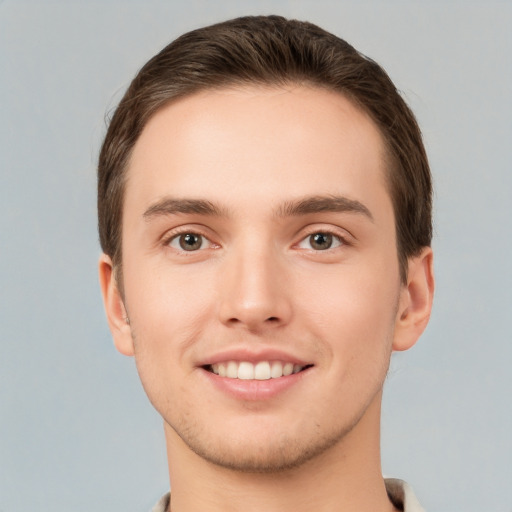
264,208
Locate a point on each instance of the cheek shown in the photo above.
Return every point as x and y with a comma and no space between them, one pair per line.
161,297
169,313
353,311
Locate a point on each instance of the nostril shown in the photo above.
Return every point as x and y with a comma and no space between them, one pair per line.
272,319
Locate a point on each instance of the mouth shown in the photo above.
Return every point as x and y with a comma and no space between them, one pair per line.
262,370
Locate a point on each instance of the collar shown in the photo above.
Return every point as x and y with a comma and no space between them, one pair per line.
402,496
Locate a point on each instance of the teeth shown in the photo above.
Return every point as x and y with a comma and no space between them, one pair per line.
276,369
232,370
246,371
288,369
264,370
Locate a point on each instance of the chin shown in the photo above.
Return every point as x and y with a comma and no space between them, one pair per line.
253,454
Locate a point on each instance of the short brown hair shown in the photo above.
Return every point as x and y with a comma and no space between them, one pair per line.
270,50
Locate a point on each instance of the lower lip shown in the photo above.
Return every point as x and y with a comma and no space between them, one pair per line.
254,390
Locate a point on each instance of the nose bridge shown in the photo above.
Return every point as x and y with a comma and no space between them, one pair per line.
252,291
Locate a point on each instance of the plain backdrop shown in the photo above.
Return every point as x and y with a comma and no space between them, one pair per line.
76,430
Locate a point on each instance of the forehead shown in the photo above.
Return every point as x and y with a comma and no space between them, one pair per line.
249,144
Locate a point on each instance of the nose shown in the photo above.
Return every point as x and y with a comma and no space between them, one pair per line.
254,294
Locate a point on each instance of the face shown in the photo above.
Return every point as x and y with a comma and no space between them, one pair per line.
260,272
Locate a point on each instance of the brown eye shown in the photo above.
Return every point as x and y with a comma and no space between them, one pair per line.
320,241
190,241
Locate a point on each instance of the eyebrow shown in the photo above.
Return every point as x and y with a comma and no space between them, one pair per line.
295,208
173,206
319,204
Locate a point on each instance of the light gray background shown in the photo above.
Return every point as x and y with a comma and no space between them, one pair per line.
76,431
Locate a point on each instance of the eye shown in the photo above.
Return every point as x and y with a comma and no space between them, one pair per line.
321,241
187,242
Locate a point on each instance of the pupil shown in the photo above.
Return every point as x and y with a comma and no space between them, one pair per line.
321,241
190,242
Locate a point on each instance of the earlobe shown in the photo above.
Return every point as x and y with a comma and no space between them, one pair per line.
415,304
114,307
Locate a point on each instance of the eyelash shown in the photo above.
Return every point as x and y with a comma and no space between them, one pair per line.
175,234
342,241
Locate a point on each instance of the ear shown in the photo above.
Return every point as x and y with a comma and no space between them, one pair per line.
415,304
114,307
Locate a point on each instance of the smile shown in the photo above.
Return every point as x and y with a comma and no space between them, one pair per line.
263,370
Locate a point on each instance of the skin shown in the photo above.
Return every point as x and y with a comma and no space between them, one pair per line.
257,283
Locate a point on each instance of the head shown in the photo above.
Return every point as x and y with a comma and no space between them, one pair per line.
265,191
270,51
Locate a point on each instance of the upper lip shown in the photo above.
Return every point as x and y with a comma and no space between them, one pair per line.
252,356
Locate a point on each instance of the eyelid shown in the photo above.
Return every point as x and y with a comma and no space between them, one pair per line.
340,242
343,235
174,233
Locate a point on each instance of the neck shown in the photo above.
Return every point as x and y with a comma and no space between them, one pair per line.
346,477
